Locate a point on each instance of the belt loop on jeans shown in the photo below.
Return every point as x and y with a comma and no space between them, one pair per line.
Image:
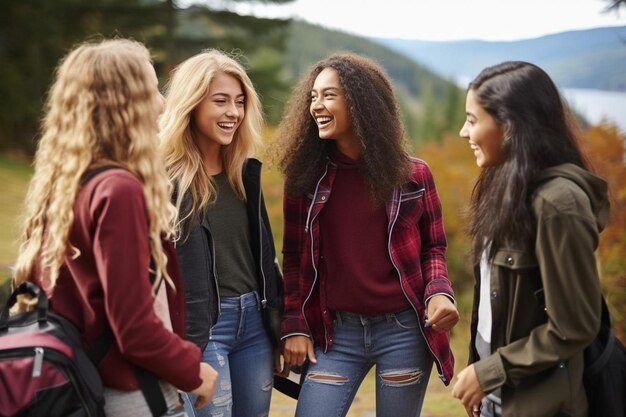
258,300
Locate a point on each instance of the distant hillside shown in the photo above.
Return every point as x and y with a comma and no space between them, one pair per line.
594,58
430,103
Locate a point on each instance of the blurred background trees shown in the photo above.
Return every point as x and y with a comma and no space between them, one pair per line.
35,34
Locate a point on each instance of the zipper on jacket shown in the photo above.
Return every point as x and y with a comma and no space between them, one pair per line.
217,285
440,366
317,186
309,230
264,300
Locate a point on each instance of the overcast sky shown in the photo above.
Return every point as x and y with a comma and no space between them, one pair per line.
444,19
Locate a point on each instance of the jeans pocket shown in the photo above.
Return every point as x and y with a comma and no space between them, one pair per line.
336,324
405,320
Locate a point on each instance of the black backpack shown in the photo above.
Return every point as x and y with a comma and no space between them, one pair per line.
604,377
44,370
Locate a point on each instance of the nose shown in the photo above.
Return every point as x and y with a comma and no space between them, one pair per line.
316,104
464,133
232,110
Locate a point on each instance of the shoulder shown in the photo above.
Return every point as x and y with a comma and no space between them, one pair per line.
252,163
115,181
421,170
115,189
560,195
251,169
418,163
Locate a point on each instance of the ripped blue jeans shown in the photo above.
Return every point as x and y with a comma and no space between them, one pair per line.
392,342
241,352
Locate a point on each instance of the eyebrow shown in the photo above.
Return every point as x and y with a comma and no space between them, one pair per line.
228,95
326,89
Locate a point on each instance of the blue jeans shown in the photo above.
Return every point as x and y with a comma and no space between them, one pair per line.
393,342
490,408
241,352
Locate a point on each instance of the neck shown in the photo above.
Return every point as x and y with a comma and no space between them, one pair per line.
350,148
212,157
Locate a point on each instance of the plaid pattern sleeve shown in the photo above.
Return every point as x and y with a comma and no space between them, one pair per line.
294,213
433,237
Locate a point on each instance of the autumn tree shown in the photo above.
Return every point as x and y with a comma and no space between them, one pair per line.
455,172
605,146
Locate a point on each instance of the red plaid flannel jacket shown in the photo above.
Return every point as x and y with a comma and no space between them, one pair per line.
416,246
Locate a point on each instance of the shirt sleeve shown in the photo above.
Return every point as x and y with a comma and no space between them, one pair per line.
121,251
294,213
433,237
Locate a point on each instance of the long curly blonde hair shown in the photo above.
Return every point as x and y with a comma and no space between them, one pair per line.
187,87
101,109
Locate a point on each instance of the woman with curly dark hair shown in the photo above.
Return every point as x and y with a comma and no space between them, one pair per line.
364,245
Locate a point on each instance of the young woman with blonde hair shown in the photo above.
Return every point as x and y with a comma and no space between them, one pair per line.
211,125
89,246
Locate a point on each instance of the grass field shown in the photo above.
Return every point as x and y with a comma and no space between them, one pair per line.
14,176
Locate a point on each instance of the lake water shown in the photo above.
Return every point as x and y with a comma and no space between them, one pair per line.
596,105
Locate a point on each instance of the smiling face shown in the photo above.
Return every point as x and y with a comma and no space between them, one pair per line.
221,111
486,137
329,108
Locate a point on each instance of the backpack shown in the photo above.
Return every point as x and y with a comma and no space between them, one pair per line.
604,376
44,370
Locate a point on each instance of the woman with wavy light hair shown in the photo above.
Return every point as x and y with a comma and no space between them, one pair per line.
210,127
98,212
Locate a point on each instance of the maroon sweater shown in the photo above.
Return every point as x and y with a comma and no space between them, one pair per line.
359,275
109,282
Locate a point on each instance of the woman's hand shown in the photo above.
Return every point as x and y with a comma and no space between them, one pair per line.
297,349
442,314
207,388
467,389
280,366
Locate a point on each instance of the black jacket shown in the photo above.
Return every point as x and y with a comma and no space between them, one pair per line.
197,263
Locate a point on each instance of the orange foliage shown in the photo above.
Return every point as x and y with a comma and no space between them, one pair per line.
605,146
455,172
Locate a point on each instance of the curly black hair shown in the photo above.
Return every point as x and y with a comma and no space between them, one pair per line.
375,119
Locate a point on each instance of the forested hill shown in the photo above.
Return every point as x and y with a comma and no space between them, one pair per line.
430,103
37,33
593,58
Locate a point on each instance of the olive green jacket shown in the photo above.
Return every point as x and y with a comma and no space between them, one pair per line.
546,304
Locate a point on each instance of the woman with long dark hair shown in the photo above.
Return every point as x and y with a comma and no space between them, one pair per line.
535,216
